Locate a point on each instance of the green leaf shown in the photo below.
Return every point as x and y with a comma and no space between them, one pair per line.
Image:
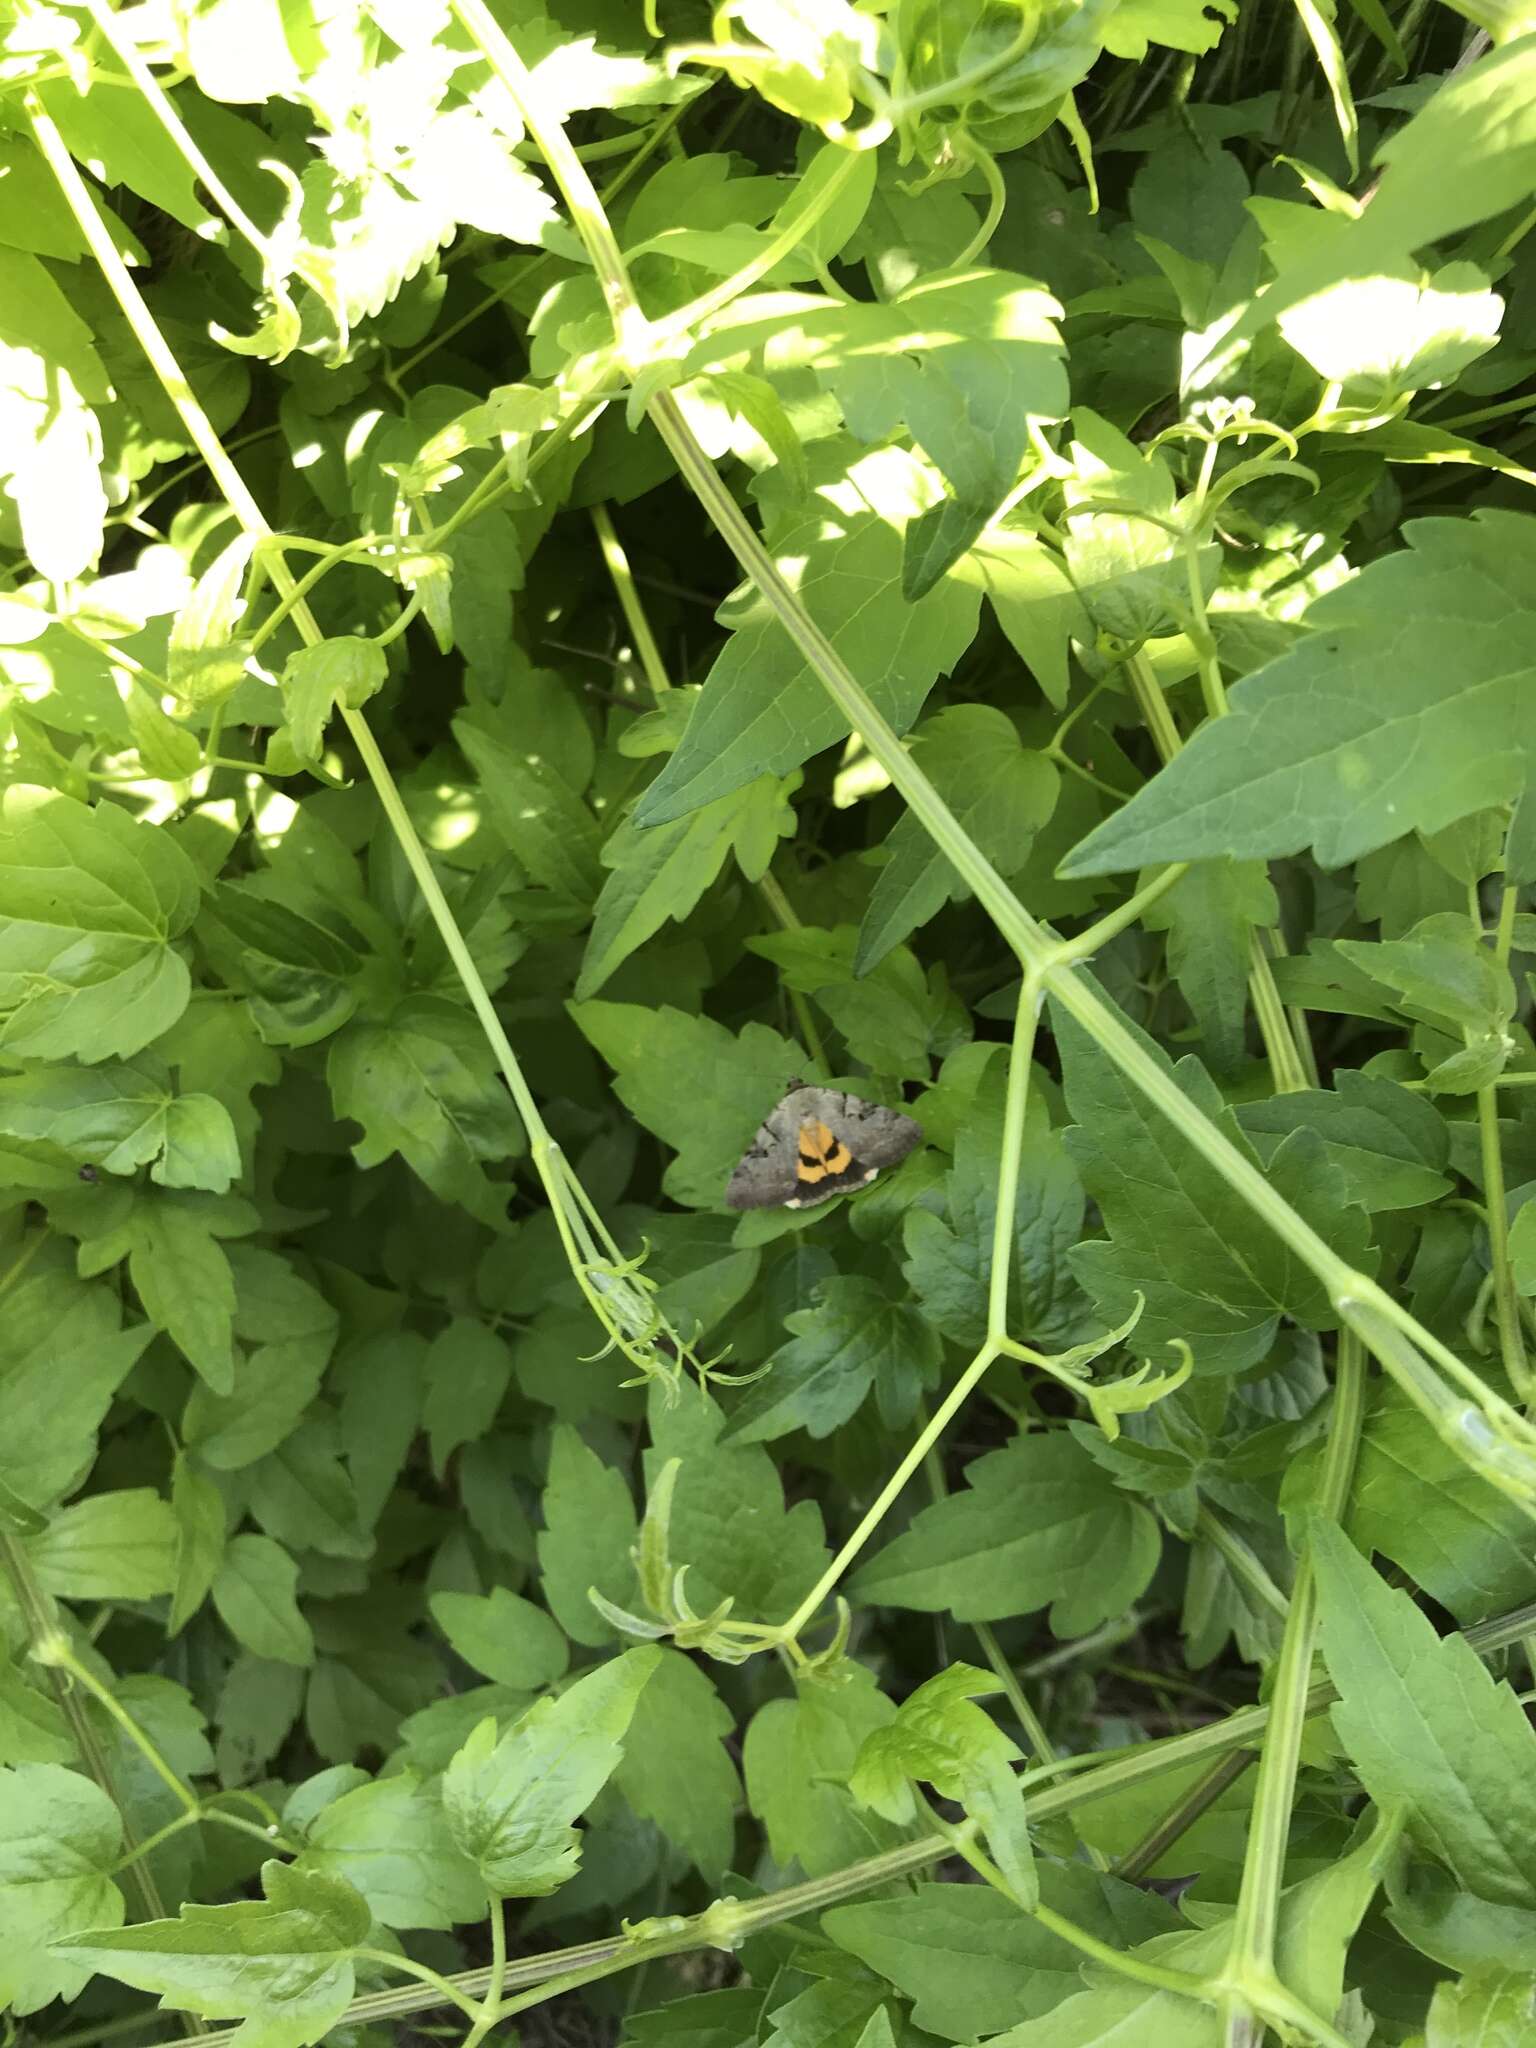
1129,571
32,1725
1382,338
837,2012
510,1803
464,1375
345,671
60,1838
543,821
1390,1144
91,903
658,1055
1427,1727
1440,975
300,976
202,1527
1209,915
181,1272
763,710
257,1707
1405,707
107,124
798,1756
589,1526
289,1330
51,378
948,1256
972,1962
1035,601
729,1524
205,660
676,1771
425,1085
1234,1278
63,1355
283,1961
855,1337
379,1381
939,1736
113,1546
390,1841
166,749
1493,2009
1000,793
895,1018
662,873
122,1115
964,363
1039,1524
509,1639
302,1496
254,1594
1466,155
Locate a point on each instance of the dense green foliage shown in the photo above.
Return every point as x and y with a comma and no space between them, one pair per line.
567,566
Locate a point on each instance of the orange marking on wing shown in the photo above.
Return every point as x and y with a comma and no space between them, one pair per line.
821,1153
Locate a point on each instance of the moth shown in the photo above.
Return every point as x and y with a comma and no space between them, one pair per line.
818,1143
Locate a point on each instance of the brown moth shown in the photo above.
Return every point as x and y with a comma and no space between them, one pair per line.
818,1143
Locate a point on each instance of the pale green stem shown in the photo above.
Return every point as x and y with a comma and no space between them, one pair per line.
1250,1963
1143,1858
1015,1107
56,1653
997,1310
1034,1728
688,319
390,1959
1082,946
1241,1561
1506,1299
769,889
1157,1975
42,1634
495,1991
617,563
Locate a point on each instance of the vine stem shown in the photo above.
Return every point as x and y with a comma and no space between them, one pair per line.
1506,1299
42,1630
617,563
1014,1109
1249,1972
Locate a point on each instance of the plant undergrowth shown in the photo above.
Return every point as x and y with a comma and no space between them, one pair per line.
572,567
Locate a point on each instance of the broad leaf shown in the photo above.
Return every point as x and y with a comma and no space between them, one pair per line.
1038,1525
284,1960
60,1839
1427,1727
91,903
763,711
1404,707
1234,1278
510,1803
